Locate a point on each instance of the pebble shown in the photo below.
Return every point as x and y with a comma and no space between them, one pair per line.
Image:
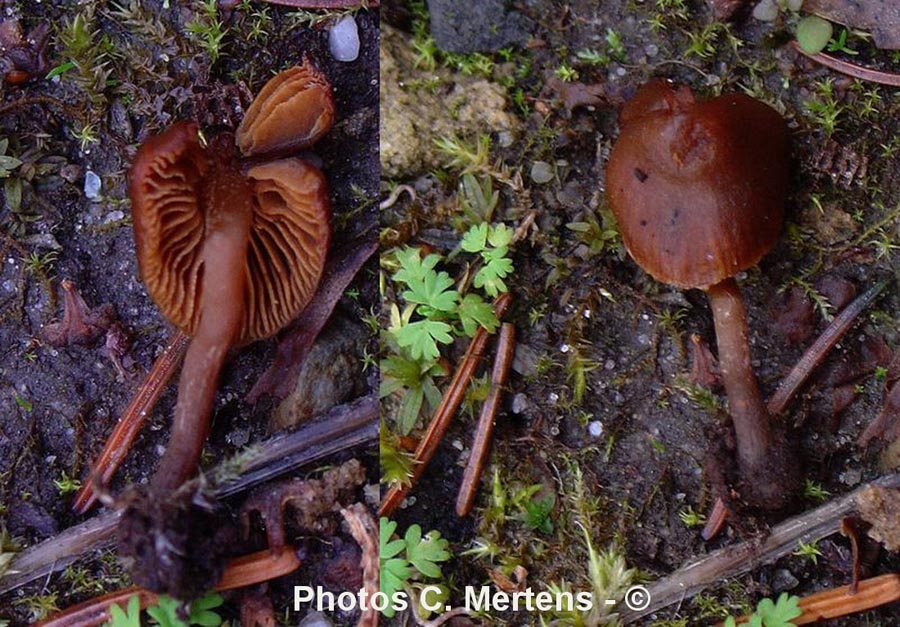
315,619
541,172
92,185
519,403
595,428
343,39
766,11
784,580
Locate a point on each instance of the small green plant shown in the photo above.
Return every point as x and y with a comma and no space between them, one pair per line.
477,199
815,491
8,163
165,612
839,44
824,107
702,43
413,380
492,244
780,613
396,464
566,73
691,519
208,30
129,617
8,549
409,559
66,484
808,551
41,265
609,578
429,295
463,156
40,605
534,507
86,136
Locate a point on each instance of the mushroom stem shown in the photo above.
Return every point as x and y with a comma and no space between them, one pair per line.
769,471
745,404
222,283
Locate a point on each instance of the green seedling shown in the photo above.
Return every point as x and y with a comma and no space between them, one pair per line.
396,464
772,614
566,73
492,244
808,551
166,612
8,163
465,157
409,559
207,30
66,484
814,491
691,519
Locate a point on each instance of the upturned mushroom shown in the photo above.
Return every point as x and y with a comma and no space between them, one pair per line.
228,257
698,188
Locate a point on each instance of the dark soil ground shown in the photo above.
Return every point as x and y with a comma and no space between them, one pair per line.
604,349
125,71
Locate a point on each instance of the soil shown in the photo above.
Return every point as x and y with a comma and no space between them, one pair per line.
123,71
601,389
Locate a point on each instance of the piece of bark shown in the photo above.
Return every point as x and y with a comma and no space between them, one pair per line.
880,507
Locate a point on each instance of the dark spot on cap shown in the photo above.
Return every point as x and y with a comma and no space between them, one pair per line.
640,175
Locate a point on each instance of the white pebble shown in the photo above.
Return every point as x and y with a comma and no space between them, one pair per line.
91,185
315,619
541,172
343,39
595,428
766,11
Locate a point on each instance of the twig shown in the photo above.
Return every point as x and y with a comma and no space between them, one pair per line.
820,348
364,530
133,418
736,560
429,443
843,601
506,348
339,429
851,69
395,195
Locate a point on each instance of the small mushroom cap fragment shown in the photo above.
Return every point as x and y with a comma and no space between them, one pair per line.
289,241
293,111
698,187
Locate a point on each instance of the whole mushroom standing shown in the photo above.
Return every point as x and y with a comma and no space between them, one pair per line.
698,188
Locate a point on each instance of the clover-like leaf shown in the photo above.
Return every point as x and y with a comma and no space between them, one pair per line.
422,338
424,553
473,312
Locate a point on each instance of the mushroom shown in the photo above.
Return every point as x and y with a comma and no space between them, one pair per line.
698,188
292,112
228,258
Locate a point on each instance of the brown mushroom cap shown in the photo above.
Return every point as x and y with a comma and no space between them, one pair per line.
698,188
293,111
288,240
